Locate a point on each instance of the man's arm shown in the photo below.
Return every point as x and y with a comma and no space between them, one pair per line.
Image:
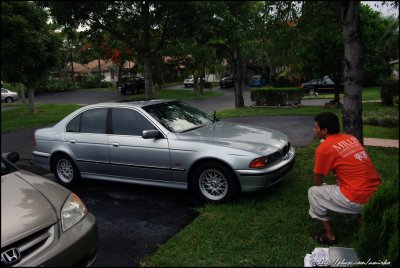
318,178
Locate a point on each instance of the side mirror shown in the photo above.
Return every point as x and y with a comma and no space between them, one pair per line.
150,134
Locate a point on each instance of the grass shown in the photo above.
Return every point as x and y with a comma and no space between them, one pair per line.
18,116
267,228
368,94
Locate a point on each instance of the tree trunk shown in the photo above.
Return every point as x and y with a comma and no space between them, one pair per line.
22,88
238,77
99,76
352,106
31,98
148,78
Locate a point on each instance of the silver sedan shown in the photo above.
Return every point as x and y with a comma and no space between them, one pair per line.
163,143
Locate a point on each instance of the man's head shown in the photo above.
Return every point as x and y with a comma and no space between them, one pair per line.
326,124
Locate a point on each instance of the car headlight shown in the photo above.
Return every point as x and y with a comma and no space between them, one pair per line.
72,211
260,162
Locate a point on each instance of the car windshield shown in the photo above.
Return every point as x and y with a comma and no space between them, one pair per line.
178,116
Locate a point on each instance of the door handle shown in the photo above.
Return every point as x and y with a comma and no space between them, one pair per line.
72,141
115,144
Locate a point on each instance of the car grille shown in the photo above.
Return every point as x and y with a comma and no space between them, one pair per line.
286,149
28,245
277,156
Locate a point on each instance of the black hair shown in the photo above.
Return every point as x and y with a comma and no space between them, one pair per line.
328,120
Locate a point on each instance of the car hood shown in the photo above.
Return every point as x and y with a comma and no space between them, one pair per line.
250,138
24,209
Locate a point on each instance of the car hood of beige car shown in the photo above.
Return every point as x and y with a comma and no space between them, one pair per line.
24,207
253,139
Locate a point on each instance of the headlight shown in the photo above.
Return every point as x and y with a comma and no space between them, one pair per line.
260,162
72,211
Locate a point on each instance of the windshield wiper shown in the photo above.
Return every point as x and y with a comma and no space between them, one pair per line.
193,128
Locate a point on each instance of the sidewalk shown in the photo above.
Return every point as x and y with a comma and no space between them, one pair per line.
381,142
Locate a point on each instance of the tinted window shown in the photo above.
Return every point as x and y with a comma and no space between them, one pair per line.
94,121
73,125
129,122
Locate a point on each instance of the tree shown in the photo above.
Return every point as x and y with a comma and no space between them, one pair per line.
144,26
234,25
380,36
29,49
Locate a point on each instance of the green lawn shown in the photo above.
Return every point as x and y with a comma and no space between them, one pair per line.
263,229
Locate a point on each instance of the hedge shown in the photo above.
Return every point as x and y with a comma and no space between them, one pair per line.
378,238
276,96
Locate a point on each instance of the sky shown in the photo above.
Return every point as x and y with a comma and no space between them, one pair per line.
386,10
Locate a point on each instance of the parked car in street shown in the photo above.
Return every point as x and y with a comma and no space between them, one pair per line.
163,143
257,80
189,82
226,82
132,84
42,222
319,86
8,95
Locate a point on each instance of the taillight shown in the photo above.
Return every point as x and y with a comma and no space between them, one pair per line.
260,162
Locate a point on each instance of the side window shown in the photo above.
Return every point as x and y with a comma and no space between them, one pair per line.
129,122
73,125
94,121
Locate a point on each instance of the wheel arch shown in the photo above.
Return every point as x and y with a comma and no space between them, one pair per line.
58,153
202,161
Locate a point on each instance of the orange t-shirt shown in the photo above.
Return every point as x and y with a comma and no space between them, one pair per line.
345,155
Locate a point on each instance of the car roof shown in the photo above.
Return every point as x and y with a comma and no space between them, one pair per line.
140,104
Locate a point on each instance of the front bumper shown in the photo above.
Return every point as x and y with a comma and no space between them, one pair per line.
254,180
75,247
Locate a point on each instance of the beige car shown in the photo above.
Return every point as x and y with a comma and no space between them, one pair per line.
42,222
8,96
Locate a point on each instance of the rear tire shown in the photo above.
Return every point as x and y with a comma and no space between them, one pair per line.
65,170
9,100
214,183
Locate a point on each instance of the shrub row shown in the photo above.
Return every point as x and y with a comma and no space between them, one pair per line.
274,96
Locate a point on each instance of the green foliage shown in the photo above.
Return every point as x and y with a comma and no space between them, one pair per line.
390,89
379,234
396,101
276,96
92,82
55,86
29,47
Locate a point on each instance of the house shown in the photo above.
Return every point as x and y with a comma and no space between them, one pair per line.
108,69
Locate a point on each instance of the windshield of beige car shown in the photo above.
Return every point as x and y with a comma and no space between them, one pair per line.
178,117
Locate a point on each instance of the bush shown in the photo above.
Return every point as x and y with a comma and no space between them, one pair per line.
379,234
276,96
208,85
389,90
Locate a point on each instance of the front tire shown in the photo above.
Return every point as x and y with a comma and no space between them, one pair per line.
214,183
9,100
65,170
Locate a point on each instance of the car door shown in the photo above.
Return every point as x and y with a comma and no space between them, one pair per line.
86,137
131,155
